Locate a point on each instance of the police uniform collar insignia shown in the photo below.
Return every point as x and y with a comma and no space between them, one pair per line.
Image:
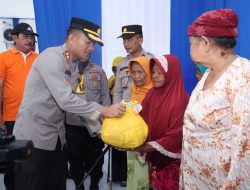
67,66
67,55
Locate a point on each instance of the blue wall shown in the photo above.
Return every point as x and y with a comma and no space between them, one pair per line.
53,19
184,12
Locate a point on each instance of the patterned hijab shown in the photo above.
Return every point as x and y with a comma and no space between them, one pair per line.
138,93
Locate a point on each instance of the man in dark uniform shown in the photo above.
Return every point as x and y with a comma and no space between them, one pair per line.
47,96
84,146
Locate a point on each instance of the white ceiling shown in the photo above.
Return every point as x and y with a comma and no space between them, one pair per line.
16,9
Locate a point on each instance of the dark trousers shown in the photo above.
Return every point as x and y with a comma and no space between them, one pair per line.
10,126
119,166
83,152
9,176
44,170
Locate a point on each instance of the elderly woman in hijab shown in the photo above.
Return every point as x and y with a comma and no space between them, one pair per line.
140,74
216,132
163,111
141,82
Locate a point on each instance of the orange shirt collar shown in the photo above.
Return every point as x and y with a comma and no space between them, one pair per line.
15,50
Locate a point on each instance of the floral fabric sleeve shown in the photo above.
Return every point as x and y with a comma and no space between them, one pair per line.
239,173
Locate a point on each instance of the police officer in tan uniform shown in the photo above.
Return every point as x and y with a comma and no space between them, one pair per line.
132,40
89,83
47,96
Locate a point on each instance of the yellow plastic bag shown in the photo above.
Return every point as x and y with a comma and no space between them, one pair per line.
129,131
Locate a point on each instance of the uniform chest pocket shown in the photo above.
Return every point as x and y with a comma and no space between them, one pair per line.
94,81
124,76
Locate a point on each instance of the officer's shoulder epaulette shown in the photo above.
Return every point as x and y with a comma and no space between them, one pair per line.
148,54
126,58
103,72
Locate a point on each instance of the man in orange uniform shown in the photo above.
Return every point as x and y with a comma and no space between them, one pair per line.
15,65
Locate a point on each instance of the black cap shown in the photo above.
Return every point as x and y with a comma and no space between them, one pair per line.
91,30
23,28
130,30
